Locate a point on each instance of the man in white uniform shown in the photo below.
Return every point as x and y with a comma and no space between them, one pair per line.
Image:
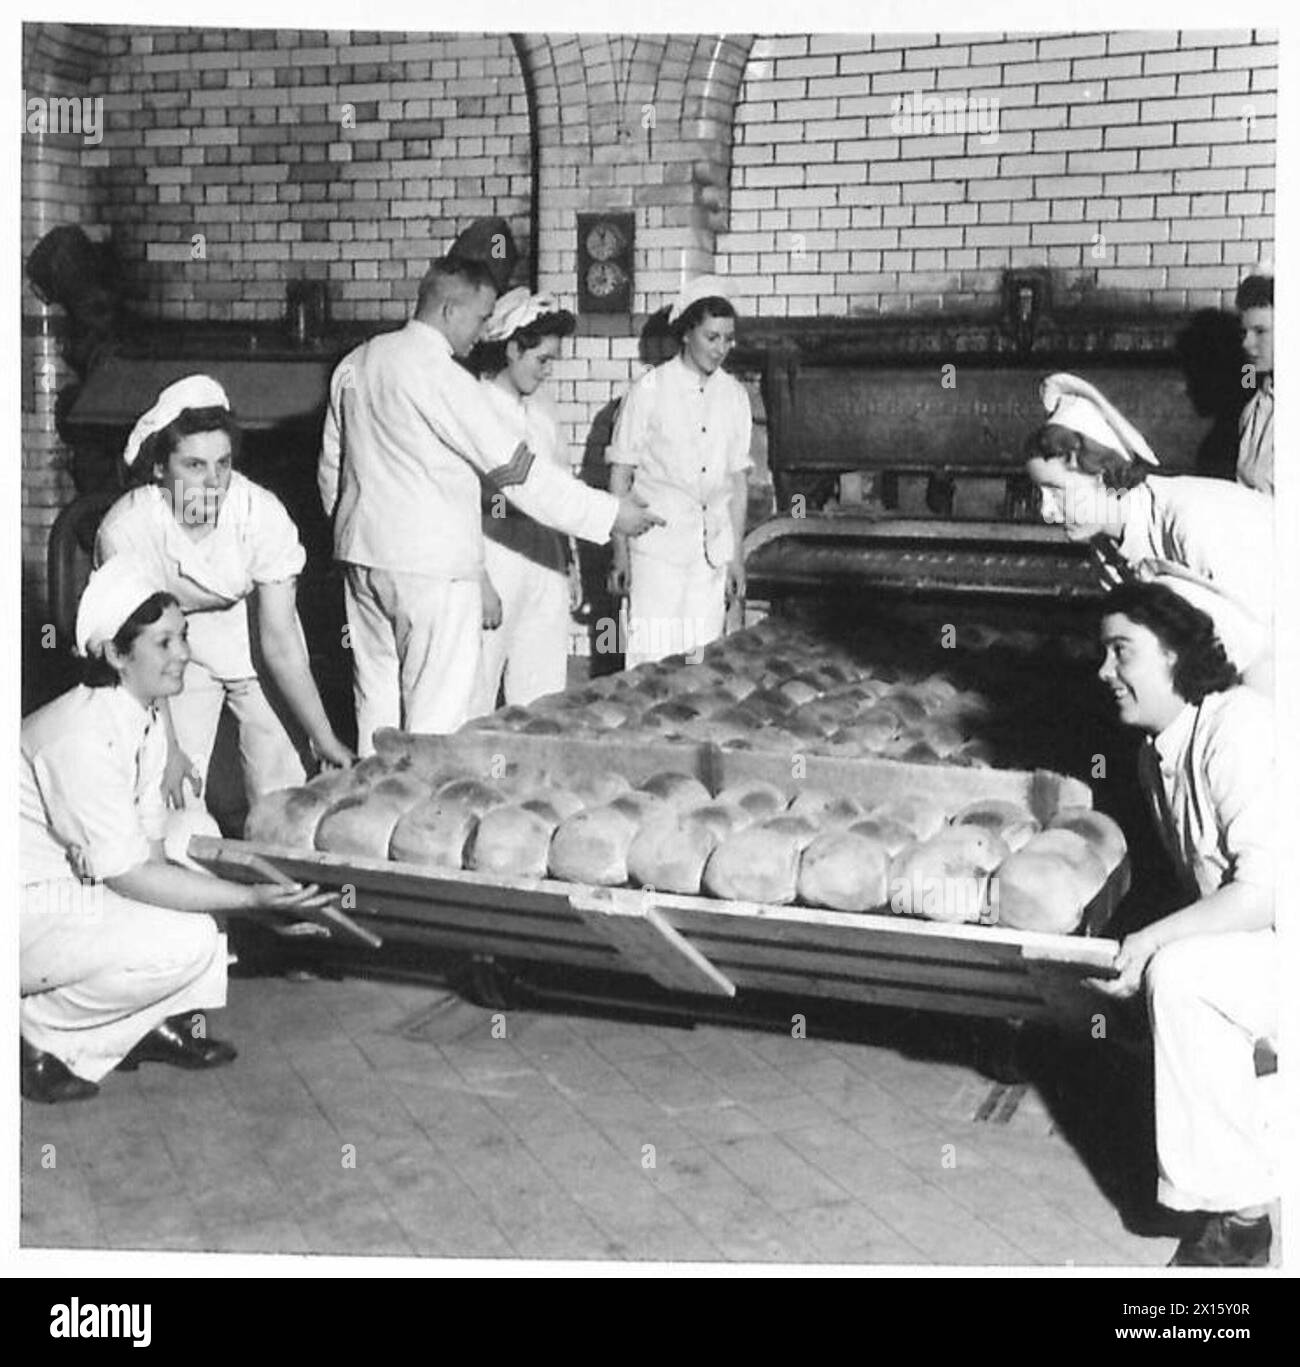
1095,476
1255,430
116,949
408,438
1210,969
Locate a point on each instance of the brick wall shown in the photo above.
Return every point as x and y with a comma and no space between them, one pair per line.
1139,166
237,159
59,63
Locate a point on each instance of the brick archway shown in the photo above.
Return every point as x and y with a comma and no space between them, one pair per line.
634,121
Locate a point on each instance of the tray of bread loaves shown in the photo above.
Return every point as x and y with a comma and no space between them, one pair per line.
941,887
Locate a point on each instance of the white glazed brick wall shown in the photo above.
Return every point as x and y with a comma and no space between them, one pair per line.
1138,165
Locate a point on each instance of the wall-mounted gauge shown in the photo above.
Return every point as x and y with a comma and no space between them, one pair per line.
605,266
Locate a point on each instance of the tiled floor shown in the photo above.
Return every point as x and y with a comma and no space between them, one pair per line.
361,1119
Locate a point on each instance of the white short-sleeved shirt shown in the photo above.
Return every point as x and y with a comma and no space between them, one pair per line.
254,542
1255,434
408,434
1223,533
1214,763
91,778
534,419
686,436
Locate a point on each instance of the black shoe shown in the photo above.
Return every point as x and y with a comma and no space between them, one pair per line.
47,1080
174,1042
1226,1240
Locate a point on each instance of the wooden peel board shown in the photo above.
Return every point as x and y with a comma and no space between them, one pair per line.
705,946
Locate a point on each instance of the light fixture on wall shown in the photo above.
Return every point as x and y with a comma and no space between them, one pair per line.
1024,302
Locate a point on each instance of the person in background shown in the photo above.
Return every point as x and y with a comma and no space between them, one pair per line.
221,545
531,580
1098,479
682,441
1255,453
408,437
117,946
1210,970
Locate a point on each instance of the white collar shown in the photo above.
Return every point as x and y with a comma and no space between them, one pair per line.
1172,741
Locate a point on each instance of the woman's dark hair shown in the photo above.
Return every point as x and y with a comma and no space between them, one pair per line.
96,672
157,449
489,358
711,306
1054,442
1202,666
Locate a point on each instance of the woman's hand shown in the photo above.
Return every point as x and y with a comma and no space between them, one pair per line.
735,587
575,586
332,753
491,604
179,771
1135,952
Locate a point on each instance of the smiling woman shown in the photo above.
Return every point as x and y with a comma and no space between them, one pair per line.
1210,969
220,544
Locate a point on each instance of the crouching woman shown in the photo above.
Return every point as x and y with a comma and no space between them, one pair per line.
117,949
1210,969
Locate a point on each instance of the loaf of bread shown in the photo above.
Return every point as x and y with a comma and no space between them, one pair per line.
669,854
1011,821
680,791
893,835
844,872
592,847
434,834
288,817
1103,834
921,815
363,824
754,865
1048,883
511,841
939,879
719,819
471,794
756,798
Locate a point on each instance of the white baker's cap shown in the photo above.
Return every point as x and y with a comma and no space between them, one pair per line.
194,391
515,310
702,287
112,594
1242,634
1074,403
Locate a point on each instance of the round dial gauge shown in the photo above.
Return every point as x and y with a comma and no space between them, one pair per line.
604,277
604,241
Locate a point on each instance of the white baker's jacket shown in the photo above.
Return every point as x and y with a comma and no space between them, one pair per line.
686,437
1223,533
254,542
408,434
1210,777
90,786
532,419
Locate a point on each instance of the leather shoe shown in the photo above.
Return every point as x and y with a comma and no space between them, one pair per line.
175,1043
44,1078
1226,1240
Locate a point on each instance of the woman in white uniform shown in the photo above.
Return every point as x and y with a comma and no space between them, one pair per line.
682,442
117,951
1210,970
221,545
531,586
1096,477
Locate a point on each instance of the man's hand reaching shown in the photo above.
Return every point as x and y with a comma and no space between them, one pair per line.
634,516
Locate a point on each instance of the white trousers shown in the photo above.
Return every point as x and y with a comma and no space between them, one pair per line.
530,649
1210,998
268,755
99,971
415,651
672,609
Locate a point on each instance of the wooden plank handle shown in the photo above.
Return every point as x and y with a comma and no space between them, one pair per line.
333,918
